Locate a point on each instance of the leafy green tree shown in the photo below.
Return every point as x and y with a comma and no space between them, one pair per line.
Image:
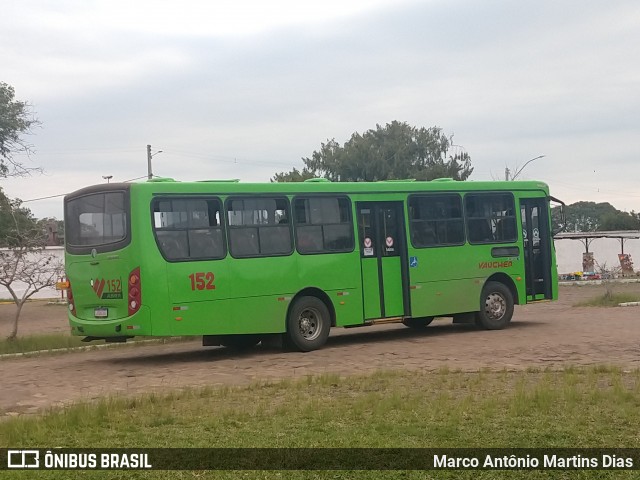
395,151
14,220
294,175
592,217
16,120
619,221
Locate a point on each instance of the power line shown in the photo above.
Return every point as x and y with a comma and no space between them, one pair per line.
225,158
137,178
44,198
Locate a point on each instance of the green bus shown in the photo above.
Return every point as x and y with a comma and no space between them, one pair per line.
242,263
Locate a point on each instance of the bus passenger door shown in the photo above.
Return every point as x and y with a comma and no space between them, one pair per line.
383,254
537,248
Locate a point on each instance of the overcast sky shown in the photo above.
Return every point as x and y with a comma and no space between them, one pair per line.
244,89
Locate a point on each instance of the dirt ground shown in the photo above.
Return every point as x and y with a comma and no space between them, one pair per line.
554,334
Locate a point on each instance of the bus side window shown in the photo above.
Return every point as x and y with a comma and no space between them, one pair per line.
479,230
275,240
173,244
206,243
309,239
436,220
423,234
189,228
259,226
244,242
490,217
323,225
506,229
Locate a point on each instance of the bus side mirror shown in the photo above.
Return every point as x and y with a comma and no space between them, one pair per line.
558,217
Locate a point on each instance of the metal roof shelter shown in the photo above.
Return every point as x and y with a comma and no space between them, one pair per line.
587,237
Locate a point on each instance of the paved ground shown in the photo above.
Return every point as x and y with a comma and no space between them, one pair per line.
550,334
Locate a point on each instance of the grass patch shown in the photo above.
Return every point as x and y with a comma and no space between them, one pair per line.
58,343
609,299
590,407
34,343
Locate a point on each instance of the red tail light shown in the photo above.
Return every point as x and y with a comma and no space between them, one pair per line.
135,291
72,304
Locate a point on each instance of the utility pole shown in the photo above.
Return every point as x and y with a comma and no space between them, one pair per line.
506,174
149,171
149,157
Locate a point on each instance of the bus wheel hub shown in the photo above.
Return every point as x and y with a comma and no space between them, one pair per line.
308,325
495,306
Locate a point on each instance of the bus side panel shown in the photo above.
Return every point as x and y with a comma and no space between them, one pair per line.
443,281
155,293
445,297
450,279
339,276
252,295
221,317
231,296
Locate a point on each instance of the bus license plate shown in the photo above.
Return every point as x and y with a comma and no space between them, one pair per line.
101,312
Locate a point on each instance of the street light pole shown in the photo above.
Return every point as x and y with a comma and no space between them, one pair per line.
107,177
519,171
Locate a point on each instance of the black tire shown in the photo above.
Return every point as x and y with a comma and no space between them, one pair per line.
418,323
240,342
496,306
308,324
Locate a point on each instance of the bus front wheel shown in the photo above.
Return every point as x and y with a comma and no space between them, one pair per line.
496,306
308,324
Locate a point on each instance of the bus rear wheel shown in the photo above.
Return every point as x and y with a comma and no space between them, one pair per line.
496,306
308,324
418,323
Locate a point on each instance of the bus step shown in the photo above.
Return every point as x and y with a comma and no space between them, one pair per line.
382,321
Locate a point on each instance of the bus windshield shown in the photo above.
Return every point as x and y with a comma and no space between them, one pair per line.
97,220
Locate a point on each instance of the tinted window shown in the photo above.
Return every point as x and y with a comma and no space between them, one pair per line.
490,218
189,228
259,226
96,219
436,220
323,225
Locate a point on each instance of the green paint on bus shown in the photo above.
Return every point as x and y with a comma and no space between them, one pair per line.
233,262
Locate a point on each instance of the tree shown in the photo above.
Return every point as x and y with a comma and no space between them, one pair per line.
16,120
619,221
293,176
395,151
592,217
25,266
